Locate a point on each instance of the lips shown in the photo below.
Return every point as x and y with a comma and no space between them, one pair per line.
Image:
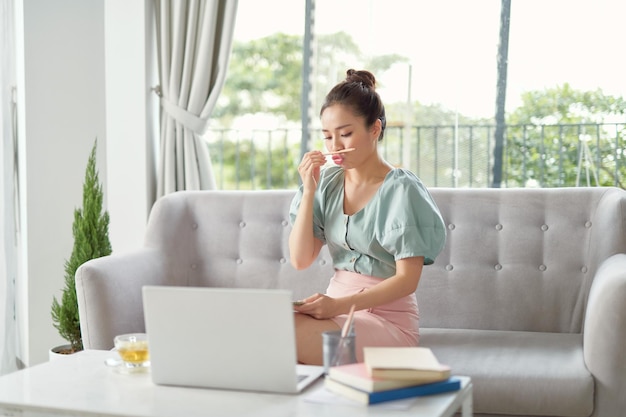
337,159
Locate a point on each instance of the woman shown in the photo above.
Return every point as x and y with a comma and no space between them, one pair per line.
379,222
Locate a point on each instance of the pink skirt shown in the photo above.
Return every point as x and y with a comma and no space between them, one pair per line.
392,324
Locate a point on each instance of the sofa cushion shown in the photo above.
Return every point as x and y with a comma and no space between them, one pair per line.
527,373
520,259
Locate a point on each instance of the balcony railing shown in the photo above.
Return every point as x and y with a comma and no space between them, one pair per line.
442,156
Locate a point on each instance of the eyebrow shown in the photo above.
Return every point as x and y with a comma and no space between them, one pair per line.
338,127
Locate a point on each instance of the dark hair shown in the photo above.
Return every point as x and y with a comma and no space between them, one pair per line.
358,91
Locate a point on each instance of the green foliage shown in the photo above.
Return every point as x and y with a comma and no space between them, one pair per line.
559,135
91,240
563,105
265,75
247,164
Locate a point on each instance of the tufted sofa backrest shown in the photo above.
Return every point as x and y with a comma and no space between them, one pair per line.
520,259
515,259
231,239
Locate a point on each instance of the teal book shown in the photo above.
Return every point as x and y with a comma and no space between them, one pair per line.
364,397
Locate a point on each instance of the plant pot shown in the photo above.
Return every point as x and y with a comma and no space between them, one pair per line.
59,352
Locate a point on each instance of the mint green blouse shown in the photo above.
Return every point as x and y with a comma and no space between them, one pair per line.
400,221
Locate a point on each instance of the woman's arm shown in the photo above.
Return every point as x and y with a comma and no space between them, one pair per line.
304,247
403,283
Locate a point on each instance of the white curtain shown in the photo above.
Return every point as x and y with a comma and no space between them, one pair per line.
194,39
9,340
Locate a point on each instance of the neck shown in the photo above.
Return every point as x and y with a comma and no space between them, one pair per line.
371,171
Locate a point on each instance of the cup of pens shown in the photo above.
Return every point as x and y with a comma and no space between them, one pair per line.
339,346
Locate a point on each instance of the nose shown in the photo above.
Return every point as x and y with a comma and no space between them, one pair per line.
336,143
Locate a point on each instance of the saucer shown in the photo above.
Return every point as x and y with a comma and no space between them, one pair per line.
117,365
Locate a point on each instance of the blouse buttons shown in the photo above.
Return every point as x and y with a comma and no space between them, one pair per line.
451,226
544,227
498,227
497,267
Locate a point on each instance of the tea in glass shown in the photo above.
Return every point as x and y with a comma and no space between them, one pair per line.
133,349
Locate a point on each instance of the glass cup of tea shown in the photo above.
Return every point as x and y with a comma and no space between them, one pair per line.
133,349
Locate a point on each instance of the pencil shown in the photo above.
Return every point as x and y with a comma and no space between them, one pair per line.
340,151
348,324
344,336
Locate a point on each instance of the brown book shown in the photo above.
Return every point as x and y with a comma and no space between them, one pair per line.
357,375
412,363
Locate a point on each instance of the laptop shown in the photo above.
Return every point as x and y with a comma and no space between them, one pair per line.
224,338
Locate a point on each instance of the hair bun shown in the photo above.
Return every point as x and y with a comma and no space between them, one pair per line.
361,76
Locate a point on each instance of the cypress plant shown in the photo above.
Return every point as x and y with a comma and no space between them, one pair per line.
91,240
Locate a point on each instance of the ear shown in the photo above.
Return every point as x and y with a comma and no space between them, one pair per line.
376,128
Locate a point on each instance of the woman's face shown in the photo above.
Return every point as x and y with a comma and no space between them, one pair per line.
342,129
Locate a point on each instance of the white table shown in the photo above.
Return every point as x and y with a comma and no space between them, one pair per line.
81,385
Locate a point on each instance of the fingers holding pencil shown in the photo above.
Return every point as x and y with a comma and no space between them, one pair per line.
313,161
309,167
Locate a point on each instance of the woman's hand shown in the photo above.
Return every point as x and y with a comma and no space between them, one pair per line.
309,168
320,306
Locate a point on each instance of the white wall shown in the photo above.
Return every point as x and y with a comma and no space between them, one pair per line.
131,129
63,105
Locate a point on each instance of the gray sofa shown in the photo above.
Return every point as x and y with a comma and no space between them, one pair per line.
528,297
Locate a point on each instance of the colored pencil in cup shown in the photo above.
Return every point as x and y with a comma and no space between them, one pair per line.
345,331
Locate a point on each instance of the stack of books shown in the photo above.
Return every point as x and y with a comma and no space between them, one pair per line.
391,373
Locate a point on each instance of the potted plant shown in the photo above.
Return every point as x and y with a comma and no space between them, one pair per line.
91,240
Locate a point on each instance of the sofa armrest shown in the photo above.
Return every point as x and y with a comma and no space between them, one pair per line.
605,336
109,294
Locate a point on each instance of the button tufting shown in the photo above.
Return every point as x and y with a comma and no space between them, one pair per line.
544,227
449,267
497,267
498,226
451,226
542,267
